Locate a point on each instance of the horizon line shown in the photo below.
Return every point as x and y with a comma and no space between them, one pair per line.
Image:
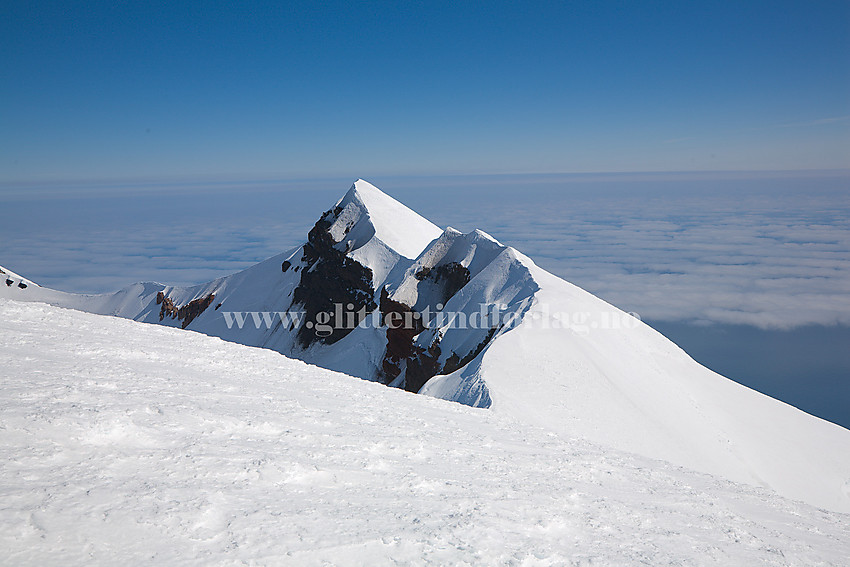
197,179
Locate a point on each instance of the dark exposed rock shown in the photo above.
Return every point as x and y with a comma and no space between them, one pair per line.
187,313
329,282
452,363
191,310
9,282
419,364
167,306
402,354
422,367
455,362
217,306
22,285
403,324
453,277
285,266
397,315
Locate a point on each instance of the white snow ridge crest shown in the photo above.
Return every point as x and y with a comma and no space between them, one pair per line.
502,334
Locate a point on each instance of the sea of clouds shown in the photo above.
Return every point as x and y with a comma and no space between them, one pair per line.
772,251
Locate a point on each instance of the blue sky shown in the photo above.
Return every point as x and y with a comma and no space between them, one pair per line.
97,90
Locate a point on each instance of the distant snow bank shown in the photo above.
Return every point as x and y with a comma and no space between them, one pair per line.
142,444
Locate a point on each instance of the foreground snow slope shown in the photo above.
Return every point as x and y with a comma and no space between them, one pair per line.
123,443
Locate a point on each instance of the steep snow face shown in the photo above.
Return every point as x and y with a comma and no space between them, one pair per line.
503,334
436,275
383,217
136,444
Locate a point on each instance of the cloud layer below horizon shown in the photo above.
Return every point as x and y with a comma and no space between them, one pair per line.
734,252
720,252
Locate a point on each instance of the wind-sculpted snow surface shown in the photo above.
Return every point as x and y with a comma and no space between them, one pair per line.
379,292
129,444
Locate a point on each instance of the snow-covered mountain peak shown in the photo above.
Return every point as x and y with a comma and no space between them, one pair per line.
445,267
485,236
397,226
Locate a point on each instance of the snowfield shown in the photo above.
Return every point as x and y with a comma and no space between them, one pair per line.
126,443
